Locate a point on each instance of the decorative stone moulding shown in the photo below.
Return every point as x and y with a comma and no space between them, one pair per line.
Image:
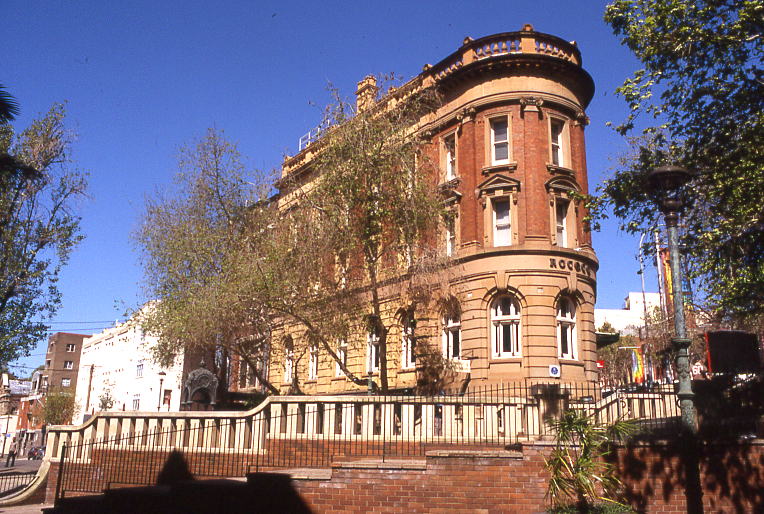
531,103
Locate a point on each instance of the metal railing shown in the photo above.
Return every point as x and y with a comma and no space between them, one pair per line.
14,481
119,449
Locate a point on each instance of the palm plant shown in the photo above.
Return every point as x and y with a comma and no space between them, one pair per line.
580,477
9,108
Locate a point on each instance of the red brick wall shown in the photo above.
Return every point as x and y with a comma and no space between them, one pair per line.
731,479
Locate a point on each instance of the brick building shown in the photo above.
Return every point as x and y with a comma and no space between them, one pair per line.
62,362
509,138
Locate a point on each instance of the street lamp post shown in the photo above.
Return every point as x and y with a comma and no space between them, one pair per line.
666,183
161,381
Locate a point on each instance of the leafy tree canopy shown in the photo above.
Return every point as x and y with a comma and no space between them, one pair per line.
271,279
188,240
699,97
57,408
38,227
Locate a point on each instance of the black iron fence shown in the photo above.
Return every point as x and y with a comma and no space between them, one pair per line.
14,481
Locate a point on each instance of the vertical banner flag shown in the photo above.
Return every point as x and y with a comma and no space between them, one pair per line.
637,366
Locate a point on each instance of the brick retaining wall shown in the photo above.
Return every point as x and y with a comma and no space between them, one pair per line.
731,479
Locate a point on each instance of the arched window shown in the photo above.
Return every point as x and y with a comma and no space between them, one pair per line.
452,337
566,328
505,321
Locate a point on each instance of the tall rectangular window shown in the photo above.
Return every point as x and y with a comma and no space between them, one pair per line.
313,363
289,365
501,222
499,141
556,130
137,402
342,354
372,363
449,147
243,367
566,329
561,221
452,335
139,370
408,359
450,232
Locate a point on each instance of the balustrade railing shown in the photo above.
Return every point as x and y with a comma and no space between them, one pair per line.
497,45
119,448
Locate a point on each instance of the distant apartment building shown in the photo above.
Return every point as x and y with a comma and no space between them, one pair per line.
62,362
29,426
631,319
118,373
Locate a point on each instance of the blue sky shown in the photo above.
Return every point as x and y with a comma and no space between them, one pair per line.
141,78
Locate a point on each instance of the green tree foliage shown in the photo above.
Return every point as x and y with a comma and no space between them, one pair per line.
617,362
106,400
580,475
188,238
266,281
57,408
375,208
700,95
38,227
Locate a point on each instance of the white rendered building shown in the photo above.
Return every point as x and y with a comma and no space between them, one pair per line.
630,319
116,364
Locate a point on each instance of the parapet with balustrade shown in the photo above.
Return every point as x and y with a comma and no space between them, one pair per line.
494,416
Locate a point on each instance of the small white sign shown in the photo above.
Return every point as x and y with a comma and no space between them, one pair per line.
462,366
554,371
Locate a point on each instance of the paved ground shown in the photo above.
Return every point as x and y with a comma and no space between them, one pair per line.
24,509
22,465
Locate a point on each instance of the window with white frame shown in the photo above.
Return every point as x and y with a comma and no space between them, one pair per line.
561,221
502,235
66,382
505,320
289,363
313,362
68,364
248,375
136,402
450,235
70,347
372,351
499,140
408,343
566,328
452,337
449,156
243,369
342,355
557,141
139,370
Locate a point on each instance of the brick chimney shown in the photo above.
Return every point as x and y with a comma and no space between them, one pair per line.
366,94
